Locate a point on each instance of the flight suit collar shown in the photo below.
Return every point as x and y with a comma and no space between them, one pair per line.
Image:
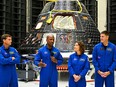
78,55
4,47
108,48
47,47
103,45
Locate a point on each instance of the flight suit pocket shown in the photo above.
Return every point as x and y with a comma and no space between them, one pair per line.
75,62
45,56
81,63
109,53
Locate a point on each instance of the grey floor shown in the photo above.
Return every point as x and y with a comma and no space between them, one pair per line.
60,84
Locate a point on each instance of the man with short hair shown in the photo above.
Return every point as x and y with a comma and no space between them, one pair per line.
48,57
104,61
8,58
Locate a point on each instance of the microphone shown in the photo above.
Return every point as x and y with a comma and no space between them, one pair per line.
53,59
52,54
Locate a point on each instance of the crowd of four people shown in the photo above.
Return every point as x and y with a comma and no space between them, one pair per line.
48,58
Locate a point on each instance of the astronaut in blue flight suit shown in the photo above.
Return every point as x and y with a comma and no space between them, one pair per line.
8,58
104,61
48,57
78,66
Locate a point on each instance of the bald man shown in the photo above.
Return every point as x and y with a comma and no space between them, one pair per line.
48,57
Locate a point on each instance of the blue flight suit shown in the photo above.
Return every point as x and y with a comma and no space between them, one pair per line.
104,59
78,65
8,75
48,74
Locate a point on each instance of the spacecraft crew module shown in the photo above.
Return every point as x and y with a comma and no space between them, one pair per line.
69,21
